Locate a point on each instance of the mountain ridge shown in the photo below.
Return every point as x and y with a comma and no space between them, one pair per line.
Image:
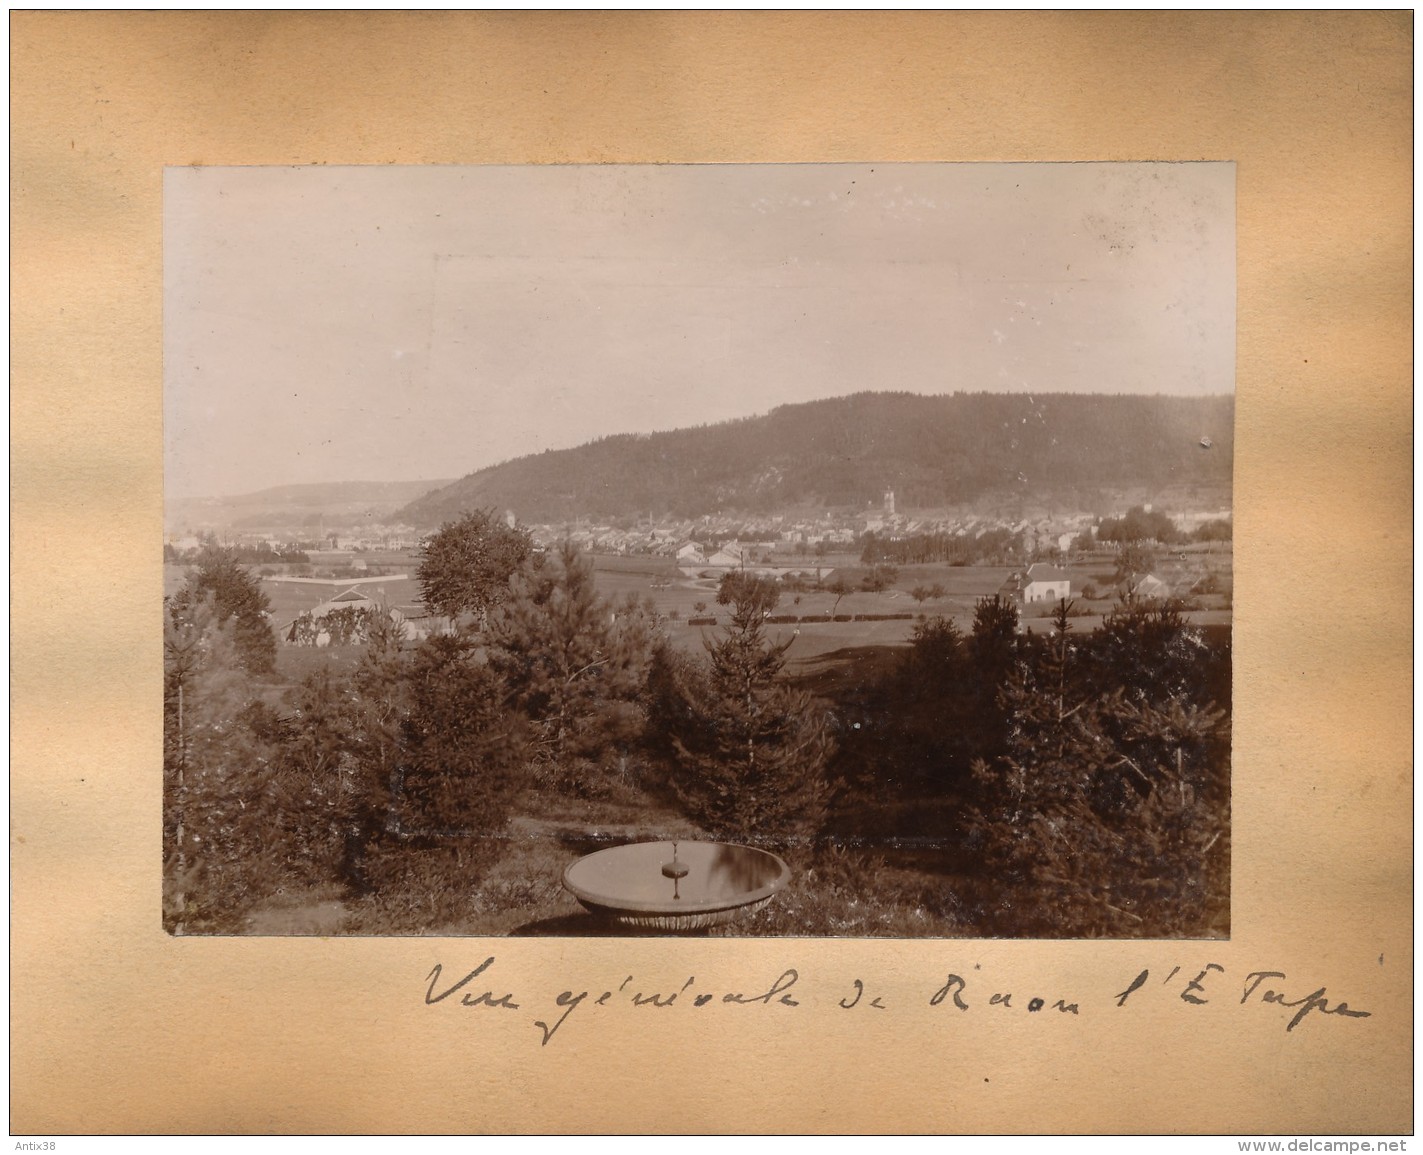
934,450
292,505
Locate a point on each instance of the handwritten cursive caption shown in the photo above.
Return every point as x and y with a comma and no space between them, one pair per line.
481,989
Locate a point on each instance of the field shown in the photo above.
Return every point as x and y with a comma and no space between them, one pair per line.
677,599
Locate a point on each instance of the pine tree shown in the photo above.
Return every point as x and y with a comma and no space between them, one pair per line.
459,748
236,595
1101,816
381,692
751,750
445,765
575,663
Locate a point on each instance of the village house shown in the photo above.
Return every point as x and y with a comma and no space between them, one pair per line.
730,556
1150,588
1041,583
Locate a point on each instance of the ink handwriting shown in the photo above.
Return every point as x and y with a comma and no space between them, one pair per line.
1208,991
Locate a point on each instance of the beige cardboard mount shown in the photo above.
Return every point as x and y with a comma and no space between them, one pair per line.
117,1027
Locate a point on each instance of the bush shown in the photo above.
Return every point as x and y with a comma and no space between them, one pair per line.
419,889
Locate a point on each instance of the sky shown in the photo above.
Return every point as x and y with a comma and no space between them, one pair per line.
407,323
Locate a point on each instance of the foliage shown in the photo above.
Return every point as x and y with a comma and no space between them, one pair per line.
1101,816
912,738
465,567
849,893
347,626
751,751
1217,529
263,553
218,764
880,578
236,595
1139,524
839,587
575,663
758,595
994,644
987,548
936,645
1146,648
460,749
1134,561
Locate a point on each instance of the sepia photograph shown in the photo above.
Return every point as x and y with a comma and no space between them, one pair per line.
777,550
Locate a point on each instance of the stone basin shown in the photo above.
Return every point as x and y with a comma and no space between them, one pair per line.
704,884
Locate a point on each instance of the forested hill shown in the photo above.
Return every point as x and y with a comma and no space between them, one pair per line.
935,452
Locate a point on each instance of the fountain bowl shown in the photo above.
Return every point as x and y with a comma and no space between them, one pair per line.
716,883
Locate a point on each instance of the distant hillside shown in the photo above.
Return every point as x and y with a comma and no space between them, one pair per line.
296,506
936,452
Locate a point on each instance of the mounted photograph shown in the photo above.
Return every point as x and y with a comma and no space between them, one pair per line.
819,550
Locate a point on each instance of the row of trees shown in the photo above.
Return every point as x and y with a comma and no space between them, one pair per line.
263,553
1137,527
991,547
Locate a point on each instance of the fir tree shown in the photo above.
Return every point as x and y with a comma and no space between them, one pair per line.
575,663
751,750
236,595
441,769
459,749
1101,816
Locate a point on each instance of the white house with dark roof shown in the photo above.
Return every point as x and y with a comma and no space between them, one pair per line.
1041,583
1046,583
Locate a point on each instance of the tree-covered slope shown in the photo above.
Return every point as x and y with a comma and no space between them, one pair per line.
935,451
